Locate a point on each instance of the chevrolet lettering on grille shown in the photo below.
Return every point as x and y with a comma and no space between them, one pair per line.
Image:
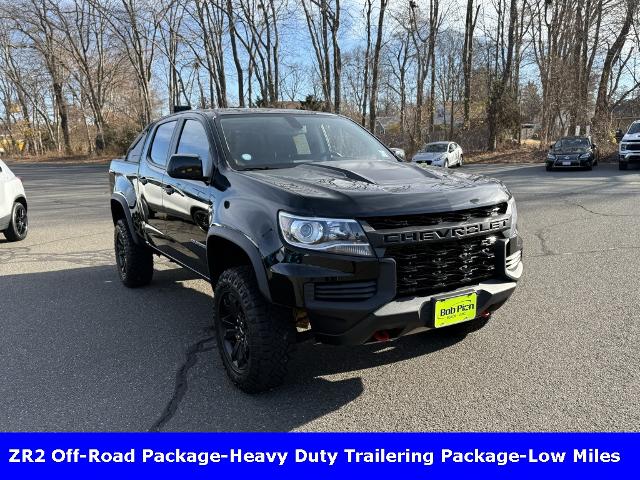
445,232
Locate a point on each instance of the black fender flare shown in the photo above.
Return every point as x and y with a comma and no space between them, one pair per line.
250,248
118,197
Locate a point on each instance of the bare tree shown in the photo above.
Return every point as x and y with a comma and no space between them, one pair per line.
471,20
32,20
91,59
601,116
375,63
137,23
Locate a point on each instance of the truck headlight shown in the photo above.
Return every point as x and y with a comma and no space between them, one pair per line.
325,234
513,211
623,147
584,156
551,156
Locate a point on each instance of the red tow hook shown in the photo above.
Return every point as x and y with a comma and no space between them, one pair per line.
486,314
381,336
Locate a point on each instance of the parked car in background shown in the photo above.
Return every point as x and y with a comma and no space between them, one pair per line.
576,152
13,205
629,149
439,154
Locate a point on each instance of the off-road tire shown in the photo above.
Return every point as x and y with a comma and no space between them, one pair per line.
622,165
19,224
268,332
549,168
133,261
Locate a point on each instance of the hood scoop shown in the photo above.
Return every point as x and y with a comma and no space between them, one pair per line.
348,174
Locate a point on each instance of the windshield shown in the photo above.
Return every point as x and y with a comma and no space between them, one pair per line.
571,143
281,140
435,147
634,128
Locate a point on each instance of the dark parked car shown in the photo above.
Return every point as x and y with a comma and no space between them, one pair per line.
576,152
309,228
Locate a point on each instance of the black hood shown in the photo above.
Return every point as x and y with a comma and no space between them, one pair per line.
355,188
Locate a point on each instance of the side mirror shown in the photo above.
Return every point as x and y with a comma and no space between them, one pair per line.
186,166
399,153
594,146
551,146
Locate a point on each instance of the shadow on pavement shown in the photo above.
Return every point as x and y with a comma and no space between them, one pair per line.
79,351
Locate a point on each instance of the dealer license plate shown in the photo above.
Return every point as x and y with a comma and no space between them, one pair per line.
566,164
461,308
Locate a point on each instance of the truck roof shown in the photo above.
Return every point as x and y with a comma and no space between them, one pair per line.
253,111
214,112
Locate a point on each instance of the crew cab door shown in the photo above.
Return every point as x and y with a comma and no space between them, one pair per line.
151,182
188,203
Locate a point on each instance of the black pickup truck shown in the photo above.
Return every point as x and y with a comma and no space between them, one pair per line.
308,227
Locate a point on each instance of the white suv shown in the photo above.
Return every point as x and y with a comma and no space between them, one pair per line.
629,150
13,206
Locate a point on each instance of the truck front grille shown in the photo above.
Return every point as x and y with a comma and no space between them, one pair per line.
633,146
428,219
428,268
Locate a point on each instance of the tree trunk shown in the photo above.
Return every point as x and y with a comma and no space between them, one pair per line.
234,50
61,106
365,84
467,56
375,73
337,60
500,85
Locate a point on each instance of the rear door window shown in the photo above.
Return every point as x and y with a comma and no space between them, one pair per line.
161,143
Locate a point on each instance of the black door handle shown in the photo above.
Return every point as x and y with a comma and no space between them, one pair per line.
143,180
169,189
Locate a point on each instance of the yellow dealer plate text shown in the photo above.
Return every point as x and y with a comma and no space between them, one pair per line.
455,309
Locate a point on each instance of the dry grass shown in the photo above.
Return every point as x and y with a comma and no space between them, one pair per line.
507,156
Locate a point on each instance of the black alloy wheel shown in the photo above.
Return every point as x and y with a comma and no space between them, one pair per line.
20,220
232,326
19,224
121,255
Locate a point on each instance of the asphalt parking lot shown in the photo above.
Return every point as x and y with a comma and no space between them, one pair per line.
79,351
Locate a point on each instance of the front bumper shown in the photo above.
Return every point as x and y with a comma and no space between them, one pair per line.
435,163
405,316
339,317
571,163
629,156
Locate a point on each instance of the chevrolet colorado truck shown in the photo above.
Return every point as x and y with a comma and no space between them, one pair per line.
308,227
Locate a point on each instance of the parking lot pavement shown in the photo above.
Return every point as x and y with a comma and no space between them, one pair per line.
78,351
